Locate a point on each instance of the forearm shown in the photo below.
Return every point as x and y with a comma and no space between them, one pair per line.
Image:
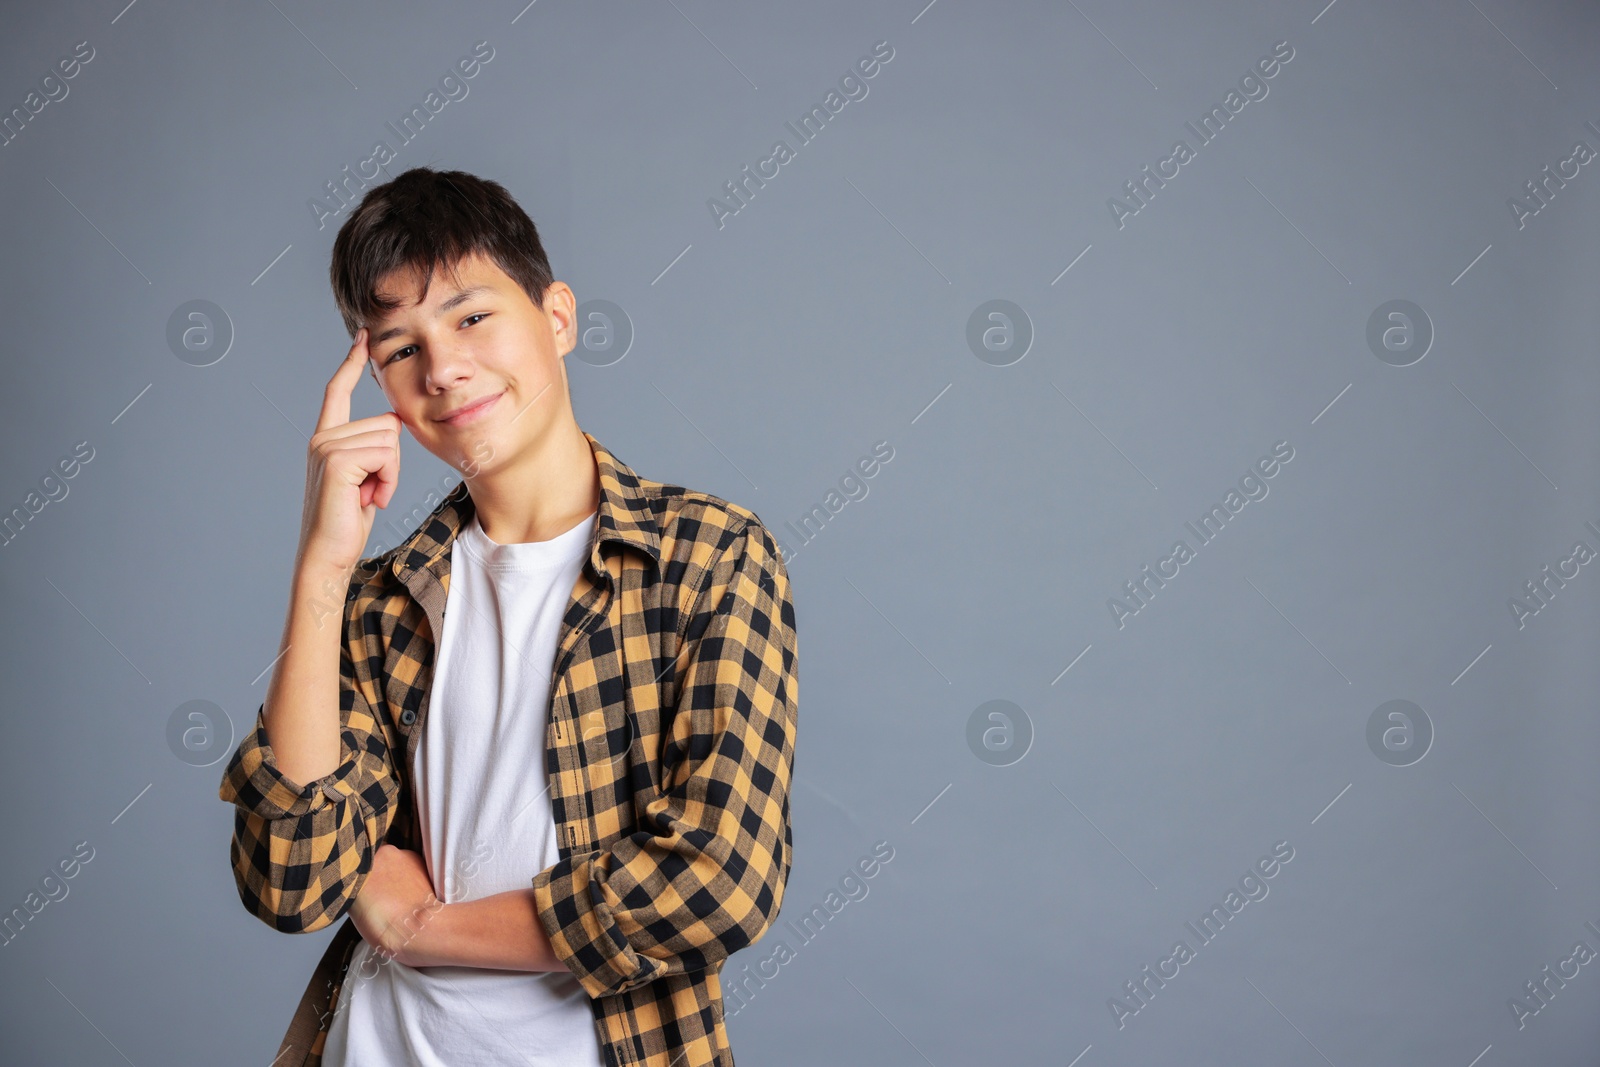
499,932
302,701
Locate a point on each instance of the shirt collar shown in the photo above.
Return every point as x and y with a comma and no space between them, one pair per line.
625,517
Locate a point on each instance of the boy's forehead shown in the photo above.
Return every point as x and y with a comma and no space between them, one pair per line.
405,283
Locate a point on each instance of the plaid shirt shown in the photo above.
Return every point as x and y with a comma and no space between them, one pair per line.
669,750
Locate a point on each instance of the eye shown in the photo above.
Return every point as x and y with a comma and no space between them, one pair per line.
400,353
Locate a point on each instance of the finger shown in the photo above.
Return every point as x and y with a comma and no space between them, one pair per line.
379,461
377,490
389,477
388,420
375,468
378,431
336,397
359,465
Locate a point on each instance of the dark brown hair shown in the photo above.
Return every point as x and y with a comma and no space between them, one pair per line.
427,219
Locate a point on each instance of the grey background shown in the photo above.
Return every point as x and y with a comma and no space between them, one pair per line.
827,315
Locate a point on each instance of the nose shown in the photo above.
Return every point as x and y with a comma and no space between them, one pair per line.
448,366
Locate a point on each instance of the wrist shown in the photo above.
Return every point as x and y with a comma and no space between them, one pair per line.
320,588
314,569
421,939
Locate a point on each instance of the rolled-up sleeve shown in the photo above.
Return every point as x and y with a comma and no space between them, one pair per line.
704,874
300,852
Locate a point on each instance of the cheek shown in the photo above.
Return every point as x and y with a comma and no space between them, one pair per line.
406,419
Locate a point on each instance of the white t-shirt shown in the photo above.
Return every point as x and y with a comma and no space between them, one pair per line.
484,807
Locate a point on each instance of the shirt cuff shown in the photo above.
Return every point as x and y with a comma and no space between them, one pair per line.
252,780
583,930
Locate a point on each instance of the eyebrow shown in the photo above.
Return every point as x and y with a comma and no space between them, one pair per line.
455,301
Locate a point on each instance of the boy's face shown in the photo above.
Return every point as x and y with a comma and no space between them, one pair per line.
454,350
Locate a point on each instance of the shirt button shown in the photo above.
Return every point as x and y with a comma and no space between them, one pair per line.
408,717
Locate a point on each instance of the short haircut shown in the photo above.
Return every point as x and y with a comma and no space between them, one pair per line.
427,219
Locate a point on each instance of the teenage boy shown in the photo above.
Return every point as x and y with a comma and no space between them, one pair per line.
539,753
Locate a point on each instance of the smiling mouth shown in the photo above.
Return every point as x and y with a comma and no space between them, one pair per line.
472,411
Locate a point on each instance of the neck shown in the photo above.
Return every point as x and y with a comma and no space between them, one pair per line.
541,494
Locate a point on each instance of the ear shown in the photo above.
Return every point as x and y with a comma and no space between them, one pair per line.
561,306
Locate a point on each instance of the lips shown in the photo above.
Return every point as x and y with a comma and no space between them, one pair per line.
470,411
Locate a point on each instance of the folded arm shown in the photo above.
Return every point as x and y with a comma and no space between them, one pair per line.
703,876
498,932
